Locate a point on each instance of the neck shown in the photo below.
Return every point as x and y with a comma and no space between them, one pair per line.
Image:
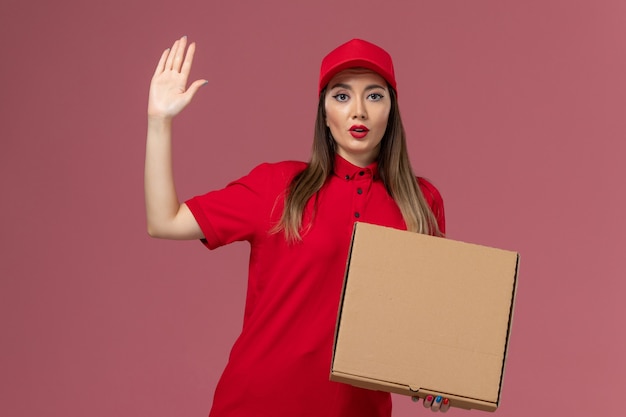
359,160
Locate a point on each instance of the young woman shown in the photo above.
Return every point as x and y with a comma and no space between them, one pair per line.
298,218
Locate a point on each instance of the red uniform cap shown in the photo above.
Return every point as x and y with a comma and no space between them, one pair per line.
353,54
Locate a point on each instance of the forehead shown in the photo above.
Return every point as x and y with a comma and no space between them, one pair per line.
357,75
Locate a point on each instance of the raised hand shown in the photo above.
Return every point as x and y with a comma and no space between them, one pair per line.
169,93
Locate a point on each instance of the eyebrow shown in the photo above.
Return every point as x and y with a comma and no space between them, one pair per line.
348,87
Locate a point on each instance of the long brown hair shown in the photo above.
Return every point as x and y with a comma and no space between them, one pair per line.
394,169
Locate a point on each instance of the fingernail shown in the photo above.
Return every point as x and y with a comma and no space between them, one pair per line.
445,405
428,401
437,404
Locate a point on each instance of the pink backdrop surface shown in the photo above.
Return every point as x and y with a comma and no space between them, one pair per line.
515,110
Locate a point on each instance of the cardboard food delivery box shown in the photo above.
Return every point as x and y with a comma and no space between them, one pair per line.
424,315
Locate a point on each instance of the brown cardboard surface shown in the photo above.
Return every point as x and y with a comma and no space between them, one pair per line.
425,315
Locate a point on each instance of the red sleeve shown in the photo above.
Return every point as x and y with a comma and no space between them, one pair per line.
435,201
242,210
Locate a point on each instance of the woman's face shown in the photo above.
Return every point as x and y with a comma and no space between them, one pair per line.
357,106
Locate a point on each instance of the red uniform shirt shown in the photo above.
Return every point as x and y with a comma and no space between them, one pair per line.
280,364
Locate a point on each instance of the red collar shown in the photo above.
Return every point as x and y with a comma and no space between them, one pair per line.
346,170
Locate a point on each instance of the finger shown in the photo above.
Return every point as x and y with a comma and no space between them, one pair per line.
437,403
445,405
180,54
186,68
170,59
428,401
161,65
194,87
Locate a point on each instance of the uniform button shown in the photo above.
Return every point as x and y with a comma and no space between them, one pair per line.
362,173
347,177
357,215
359,191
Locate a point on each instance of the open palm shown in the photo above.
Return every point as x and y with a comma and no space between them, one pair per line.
169,93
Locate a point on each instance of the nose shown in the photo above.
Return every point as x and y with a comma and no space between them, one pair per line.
359,110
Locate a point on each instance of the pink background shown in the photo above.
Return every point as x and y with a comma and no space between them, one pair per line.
515,110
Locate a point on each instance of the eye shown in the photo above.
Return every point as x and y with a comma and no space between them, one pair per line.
341,97
375,96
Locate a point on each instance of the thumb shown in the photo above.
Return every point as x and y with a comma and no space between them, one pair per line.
194,87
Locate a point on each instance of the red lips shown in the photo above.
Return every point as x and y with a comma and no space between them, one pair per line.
358,131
